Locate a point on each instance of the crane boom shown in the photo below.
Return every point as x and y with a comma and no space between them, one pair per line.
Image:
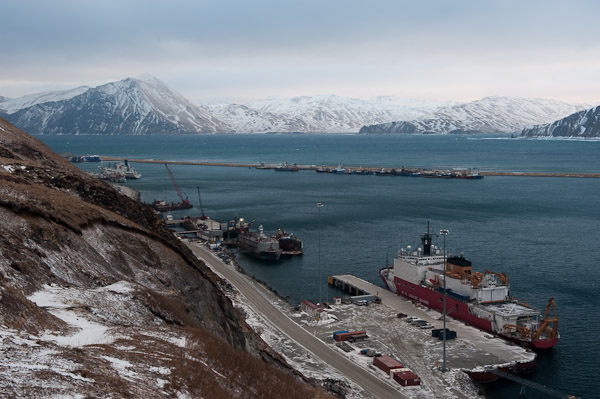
175,184
203,217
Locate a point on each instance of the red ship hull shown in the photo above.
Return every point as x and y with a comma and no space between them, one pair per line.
456,309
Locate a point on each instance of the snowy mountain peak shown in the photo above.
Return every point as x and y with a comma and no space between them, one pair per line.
148,78
146,105
129,106
11,105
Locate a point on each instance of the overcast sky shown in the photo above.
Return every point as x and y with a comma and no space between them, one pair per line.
225,50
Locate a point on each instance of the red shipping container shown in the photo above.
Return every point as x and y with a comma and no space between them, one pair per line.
386,363
347,335
406,378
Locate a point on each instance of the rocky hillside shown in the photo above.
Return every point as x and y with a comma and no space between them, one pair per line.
98,297
488,115
583,124
130,106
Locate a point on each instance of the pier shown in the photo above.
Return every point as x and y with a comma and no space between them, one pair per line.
355,169
348,285
473,351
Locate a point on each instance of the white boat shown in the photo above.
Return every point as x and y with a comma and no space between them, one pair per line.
120,169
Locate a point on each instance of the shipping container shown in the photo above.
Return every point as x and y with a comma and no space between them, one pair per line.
339,332
405,377
346,336
386,363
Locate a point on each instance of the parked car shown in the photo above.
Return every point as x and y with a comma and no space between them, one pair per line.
401,315
426,325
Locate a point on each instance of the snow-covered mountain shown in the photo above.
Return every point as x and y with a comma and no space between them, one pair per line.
12,105
147,106
324,114
130,106
488,115
583,124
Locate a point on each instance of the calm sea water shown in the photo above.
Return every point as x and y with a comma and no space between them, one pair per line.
542,232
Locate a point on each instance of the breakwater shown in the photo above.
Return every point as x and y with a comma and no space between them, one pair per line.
359,170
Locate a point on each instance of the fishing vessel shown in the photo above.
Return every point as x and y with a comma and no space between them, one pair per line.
120,169
480,299
289,243
260,245
285,167
340,170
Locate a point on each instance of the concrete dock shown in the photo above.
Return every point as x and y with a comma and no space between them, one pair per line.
472,351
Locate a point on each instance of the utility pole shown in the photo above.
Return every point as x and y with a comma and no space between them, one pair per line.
319,206
444,232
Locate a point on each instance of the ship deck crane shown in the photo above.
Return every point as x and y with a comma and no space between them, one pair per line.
183,200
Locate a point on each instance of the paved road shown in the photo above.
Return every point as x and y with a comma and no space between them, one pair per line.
371,384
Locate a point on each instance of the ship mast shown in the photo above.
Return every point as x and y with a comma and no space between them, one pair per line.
426,241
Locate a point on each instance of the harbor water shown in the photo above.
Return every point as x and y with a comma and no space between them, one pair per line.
543,232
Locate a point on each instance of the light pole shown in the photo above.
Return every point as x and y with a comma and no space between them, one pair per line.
319,206
444,232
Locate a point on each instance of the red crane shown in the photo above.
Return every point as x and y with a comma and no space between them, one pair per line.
183,200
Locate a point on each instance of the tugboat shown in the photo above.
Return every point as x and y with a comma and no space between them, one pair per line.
480,299
260,245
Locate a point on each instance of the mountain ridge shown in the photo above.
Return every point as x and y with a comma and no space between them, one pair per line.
582,124
494,114
129,106
145,105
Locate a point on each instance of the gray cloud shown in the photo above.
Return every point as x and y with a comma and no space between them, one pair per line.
228,49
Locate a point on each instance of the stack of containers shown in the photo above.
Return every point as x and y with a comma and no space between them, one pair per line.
386,363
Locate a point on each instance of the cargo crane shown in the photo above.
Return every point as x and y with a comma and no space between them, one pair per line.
203,217
162,206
